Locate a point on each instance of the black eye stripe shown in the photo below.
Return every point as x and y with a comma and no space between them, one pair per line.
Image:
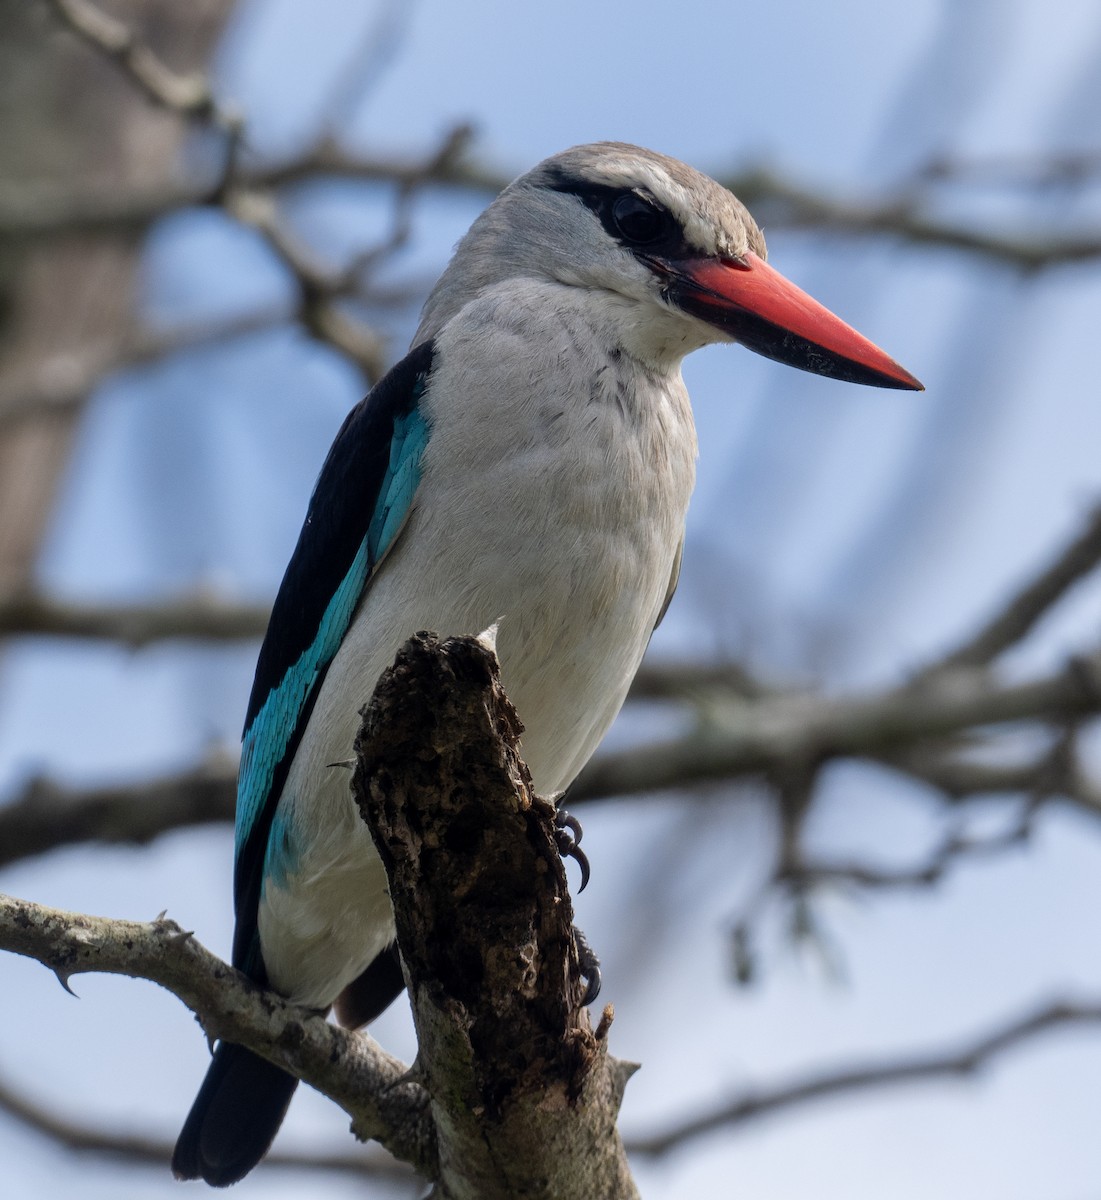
663,236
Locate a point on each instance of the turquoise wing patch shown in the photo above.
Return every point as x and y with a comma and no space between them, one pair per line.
363,497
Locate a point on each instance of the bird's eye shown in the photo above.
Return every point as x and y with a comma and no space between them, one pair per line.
637,220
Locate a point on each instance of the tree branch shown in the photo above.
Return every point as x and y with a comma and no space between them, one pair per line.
47,815
1057,773
199,616
1019,614
524,1096
189,96
62,382
927,873
148,1150
347,1067
910,729
193,99
768,735
318,288
965,1062
671,680
778,201
250,197
1069,169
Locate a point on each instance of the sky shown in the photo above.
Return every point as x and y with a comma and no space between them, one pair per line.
837,534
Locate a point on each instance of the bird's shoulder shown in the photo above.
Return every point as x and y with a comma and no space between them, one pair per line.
356,503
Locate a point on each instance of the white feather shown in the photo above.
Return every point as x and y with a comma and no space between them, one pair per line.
554,490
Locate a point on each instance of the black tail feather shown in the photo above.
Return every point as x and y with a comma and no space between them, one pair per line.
373,992
234,1119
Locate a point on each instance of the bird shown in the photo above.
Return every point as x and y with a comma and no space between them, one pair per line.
528,462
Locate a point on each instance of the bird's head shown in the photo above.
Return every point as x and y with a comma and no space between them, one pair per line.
675,258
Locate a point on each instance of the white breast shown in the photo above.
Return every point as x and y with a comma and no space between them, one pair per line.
553,495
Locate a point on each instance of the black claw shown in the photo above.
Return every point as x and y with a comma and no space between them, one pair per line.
574,851
567,836
589,965
593,988
564,820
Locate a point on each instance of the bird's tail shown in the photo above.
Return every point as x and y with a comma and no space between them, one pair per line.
234,1119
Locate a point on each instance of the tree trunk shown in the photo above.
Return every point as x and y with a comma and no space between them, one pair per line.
75,127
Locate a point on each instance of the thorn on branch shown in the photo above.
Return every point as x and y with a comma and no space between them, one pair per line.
63,978
348,1068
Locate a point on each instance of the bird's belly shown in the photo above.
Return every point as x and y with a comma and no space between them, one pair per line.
568,654
576,586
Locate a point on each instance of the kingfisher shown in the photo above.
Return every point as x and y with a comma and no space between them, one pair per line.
529,462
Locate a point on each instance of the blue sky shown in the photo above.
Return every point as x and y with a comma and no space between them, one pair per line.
837,533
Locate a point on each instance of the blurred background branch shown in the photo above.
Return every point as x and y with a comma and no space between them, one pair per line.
965,1062
981,726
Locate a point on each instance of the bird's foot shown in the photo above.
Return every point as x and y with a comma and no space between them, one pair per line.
567,836
590,967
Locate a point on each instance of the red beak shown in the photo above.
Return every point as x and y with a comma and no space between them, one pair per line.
758,307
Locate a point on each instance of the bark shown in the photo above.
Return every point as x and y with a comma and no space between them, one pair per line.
524,1094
